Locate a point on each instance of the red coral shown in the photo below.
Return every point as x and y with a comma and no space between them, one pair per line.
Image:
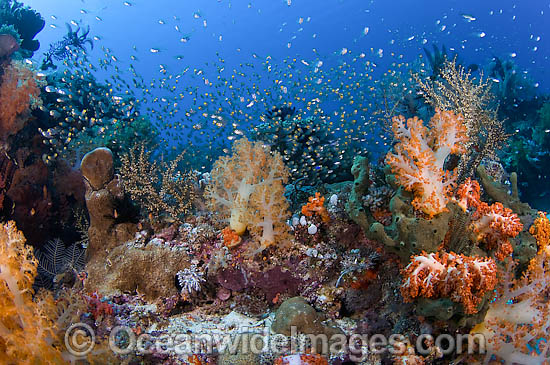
97,307
457,277
17,88
493,224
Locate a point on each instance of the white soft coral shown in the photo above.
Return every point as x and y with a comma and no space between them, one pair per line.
247,192
520,316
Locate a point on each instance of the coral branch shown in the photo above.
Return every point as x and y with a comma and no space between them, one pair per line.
461,278
420,156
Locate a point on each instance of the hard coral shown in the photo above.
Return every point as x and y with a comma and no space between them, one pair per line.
247,192
461,278
26,331
16,92
420,154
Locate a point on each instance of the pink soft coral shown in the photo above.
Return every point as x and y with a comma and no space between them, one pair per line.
16,90
420,155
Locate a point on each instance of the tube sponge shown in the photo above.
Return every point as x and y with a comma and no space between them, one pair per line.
26,331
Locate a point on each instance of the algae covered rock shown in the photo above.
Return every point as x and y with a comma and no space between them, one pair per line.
295,316
296,312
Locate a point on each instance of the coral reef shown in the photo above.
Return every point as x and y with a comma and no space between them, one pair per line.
420,155
459,92
518,317
461,278
26,21
150,270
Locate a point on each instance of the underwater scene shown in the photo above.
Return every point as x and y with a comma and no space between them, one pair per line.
274,182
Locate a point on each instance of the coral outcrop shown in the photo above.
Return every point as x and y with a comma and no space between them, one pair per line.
107,207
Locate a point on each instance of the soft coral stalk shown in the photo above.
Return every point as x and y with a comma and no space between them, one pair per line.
419,157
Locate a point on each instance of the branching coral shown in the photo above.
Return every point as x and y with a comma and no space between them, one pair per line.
157,188
461,278
247,192
420,154
17,91
456,90
493,224
26,331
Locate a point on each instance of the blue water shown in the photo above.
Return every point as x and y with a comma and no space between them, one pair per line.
266,28
225,39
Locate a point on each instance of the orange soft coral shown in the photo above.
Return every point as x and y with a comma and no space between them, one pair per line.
315,206
493,224
420,154
230,237
541,231
247,192
17,89
26,332
460,278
